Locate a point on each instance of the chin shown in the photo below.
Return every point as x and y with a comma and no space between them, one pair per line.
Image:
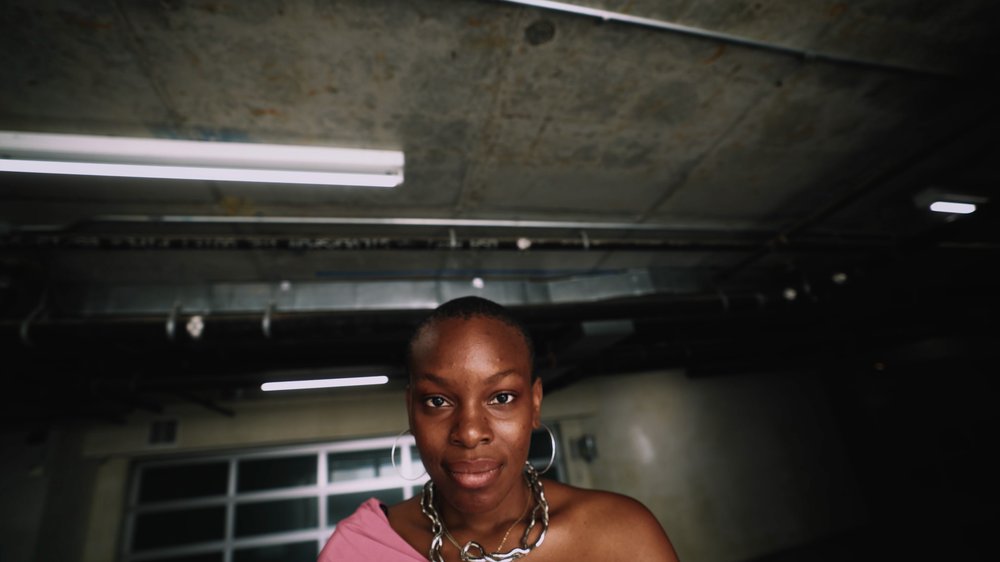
475,493
467,501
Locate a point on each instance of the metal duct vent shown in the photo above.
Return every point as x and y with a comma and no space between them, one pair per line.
163,432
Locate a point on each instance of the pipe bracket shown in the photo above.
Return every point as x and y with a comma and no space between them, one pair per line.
26,323
265,322
171,325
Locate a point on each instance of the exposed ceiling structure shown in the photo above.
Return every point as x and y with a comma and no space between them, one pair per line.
715,185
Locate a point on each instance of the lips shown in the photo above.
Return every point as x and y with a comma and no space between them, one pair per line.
474,474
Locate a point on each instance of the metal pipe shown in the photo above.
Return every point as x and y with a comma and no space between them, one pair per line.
804,54
648,243
318,324
405,221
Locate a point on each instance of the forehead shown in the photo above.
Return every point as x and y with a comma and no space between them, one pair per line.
456,339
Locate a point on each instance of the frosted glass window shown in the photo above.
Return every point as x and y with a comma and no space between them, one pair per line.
177,527
260,518
274,504
359,465
205,557
173,482
289,552
282,472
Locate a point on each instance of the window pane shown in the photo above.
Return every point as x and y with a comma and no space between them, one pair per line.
357,465
183,481
259,518
185,526
204,525
292,552
266,474
342,505
415,471
207,557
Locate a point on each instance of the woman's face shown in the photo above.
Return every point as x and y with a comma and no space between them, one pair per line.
472,407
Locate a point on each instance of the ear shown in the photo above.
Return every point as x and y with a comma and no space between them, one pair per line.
536,403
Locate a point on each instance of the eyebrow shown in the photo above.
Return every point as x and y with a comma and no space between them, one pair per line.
437,379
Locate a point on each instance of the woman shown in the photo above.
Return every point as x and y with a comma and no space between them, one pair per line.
472,402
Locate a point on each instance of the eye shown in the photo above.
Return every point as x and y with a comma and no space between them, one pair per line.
435,401
502,398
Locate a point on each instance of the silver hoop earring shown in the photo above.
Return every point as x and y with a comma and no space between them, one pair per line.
392,458
552,459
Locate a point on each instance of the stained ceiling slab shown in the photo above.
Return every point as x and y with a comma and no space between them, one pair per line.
769,159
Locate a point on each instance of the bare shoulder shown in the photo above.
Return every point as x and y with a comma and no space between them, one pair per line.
610,526
410,523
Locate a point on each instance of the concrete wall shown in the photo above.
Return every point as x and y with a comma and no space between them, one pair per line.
734,467
23,487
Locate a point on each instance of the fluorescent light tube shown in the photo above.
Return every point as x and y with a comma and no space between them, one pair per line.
953,207
324,383
181,159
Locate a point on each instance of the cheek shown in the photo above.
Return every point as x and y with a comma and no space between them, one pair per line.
431,436
429,456
514,434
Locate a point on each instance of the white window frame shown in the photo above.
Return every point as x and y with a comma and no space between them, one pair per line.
232,498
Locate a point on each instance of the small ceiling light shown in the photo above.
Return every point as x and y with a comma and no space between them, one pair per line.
195,327
839,278
523,243
790,294
952,200
478,282
324,383
953,207
90,155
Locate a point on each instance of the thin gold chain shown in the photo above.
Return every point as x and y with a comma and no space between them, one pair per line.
527,506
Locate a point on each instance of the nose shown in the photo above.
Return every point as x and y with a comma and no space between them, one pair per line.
471,428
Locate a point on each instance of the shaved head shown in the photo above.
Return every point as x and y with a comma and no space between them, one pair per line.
465,308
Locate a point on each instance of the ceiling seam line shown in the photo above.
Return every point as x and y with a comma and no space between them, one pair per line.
693,165
728,38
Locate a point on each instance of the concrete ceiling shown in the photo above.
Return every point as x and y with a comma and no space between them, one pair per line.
671,163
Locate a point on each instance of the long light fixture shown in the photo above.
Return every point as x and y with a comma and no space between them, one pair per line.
324,383
954,207
91,155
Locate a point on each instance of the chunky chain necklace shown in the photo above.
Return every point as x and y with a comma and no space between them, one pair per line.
473,551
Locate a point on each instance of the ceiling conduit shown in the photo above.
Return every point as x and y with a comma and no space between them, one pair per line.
168,242
207,220
299,325
728,38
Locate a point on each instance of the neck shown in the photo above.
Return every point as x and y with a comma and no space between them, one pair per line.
481,526
479,522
